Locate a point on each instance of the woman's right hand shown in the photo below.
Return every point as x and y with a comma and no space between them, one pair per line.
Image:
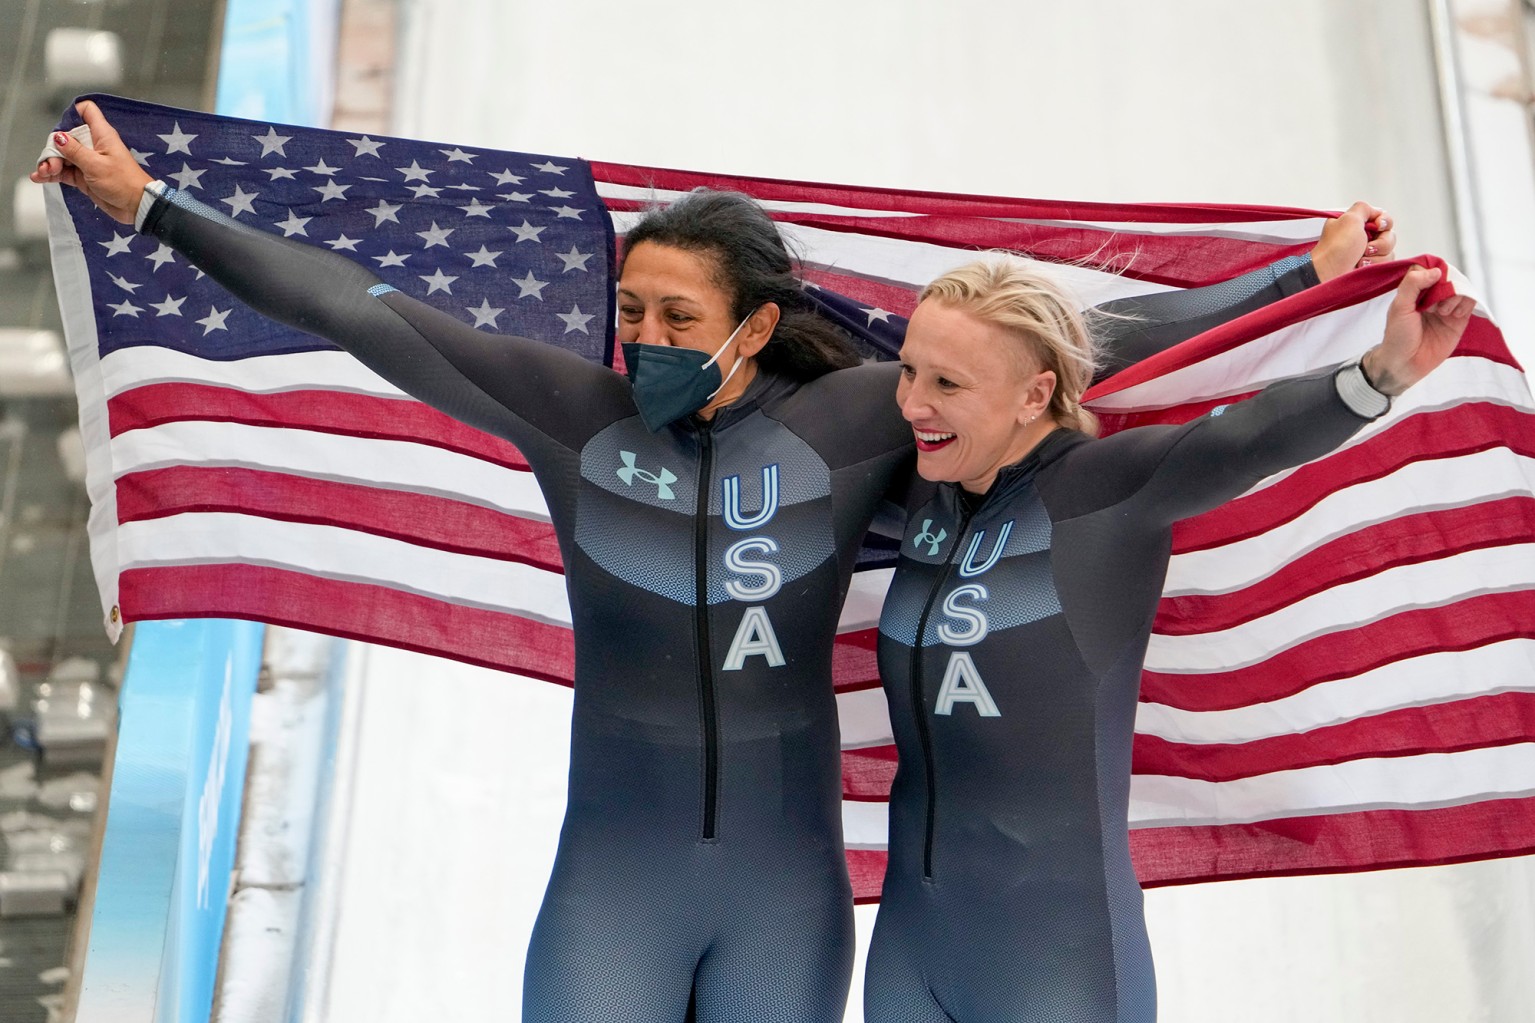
105,170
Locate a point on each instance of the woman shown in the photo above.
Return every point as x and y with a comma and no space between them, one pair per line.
1013,635
712,509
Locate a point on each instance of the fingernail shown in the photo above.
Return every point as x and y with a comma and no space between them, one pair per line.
1369,250
60,139
1364,262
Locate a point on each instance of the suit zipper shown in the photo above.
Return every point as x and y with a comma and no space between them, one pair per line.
708,710
919,704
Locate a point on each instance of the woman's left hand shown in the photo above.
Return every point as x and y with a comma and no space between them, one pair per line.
1416,341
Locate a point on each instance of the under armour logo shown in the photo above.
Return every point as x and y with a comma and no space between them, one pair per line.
927,537
663,482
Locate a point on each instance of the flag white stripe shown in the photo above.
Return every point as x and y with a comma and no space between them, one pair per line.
388,464
865,824
76,305
332,552
1421,782
1296,350
1404,587
127,368
1433,678
863,716
1436,484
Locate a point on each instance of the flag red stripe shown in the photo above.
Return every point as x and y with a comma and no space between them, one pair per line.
378,614
867,773
1159,259
1367,840
878,294
1449,727
1409,540
1334,843
1463,625
422,519
866,869
351,415
951,203
1463,430
363,611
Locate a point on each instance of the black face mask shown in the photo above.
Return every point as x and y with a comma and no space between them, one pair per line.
670,382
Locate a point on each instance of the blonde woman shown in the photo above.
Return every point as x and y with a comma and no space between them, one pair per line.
1013,635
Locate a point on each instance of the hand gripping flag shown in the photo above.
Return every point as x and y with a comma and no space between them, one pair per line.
1342,672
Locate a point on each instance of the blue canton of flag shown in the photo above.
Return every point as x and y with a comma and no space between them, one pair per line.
512,243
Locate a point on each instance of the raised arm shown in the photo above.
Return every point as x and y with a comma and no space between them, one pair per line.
1218,456
499,383
1136,328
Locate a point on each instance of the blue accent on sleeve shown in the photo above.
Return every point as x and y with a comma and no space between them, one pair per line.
381,289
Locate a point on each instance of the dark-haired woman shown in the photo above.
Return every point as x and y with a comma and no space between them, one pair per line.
709,511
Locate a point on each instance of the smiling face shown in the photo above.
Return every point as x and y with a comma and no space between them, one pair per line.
973,396
668,296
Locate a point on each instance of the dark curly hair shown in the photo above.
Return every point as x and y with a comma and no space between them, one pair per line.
751,265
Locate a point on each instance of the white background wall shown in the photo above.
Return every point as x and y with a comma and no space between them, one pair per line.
1308,102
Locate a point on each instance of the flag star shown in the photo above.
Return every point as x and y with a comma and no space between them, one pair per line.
485,316
422,191
506,177
439,281
125,284
331,190
240,202
272,142
528,287
379,180
435,236
549,167
227,162
484,257
566,212
527,232
556,193
882,315
294,225
170,307
392,259
575,320
125,308
177,141
343,242
465,188
140,157
187,178
118,245
281,172
384,211
574,259
475,209
457,154
214,320
515,196
161,256
322,168
415,172
365,147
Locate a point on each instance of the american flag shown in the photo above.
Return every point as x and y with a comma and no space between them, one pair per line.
1342,673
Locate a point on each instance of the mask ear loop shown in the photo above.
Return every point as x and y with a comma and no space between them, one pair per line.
739,359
